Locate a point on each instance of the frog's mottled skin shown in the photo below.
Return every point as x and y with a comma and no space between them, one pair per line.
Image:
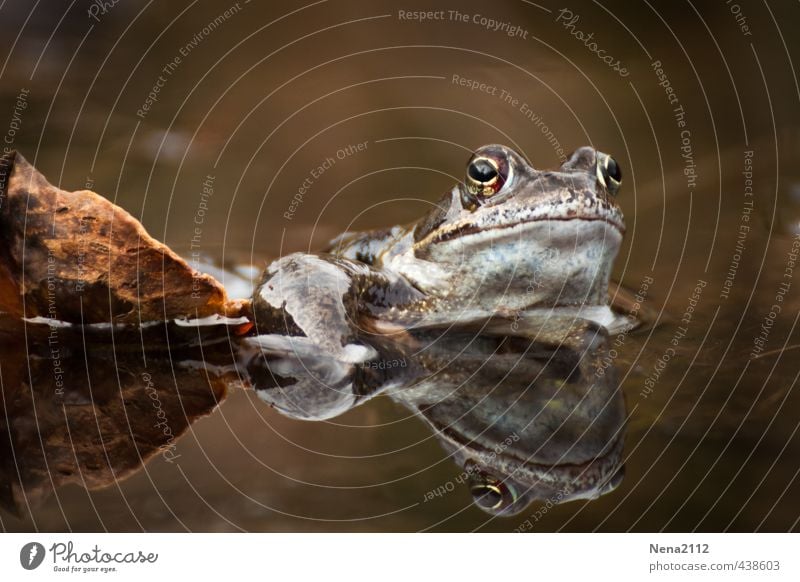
537,254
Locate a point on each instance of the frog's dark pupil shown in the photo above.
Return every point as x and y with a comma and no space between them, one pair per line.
613,171
482,171
487,496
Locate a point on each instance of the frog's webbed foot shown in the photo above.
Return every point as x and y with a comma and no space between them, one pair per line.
293,375
314,297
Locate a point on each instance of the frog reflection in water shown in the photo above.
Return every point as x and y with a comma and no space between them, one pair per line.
512,254
525,420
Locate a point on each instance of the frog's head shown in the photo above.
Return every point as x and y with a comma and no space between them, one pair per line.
524,431
511,236
525,421
503,484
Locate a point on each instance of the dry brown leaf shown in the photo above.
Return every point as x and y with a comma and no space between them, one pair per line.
75,256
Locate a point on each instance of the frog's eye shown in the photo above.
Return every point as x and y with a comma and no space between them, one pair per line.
489,493
486,175
608,173
483,171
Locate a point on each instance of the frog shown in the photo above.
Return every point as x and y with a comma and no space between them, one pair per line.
508,246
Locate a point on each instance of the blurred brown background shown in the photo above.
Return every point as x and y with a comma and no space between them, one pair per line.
265,92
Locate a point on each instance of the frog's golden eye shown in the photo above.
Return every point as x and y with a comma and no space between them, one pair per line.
485,175
488,496
608,173
483,171
488,492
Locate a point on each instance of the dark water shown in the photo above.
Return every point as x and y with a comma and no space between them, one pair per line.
256,104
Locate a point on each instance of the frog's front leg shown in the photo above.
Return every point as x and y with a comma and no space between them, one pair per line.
315,302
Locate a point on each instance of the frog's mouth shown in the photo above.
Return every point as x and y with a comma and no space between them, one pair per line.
564,482
491,228
533,480
544,478
571,480
473,229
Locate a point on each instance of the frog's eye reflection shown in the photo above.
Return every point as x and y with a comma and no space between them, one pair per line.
608,172
485,175
490,494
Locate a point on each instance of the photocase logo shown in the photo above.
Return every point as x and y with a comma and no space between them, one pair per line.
31,555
